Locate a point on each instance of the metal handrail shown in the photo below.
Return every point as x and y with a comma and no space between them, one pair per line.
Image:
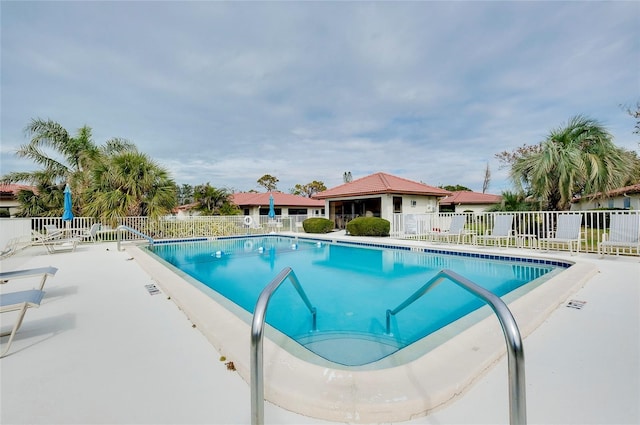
257,328
515,350
134,231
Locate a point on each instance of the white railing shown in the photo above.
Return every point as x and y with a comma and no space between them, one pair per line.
528,227
173,227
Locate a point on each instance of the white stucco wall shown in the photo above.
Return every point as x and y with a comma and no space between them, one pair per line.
412,204
633,203
476,208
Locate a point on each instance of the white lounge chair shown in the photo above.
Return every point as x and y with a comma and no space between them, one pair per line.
18,301
90,234
568,232
502,231
10,248
55,243
52,231
44,272
624,233
456,231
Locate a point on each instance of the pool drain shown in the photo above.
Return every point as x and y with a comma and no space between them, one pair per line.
576,304
153,289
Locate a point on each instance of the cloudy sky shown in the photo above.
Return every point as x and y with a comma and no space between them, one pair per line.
225,92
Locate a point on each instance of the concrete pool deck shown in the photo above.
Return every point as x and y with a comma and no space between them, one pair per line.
101,349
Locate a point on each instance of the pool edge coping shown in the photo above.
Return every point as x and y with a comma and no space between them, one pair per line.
394,394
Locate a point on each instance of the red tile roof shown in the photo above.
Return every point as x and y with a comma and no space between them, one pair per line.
280,199
467,197
15,188
634,188
380,183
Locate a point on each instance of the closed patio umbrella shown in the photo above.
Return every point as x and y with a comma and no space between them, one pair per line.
67,215
272,211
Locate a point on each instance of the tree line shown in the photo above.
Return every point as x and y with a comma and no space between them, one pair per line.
115,179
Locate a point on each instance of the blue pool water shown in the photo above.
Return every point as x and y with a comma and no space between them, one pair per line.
351,287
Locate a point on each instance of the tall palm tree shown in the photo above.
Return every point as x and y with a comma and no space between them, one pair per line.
129,183
579,158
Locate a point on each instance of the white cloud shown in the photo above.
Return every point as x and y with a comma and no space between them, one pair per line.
227,92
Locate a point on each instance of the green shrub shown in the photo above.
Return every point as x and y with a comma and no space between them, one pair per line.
369,226
317,225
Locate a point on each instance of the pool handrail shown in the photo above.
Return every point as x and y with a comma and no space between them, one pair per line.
257,332
515,350
122,227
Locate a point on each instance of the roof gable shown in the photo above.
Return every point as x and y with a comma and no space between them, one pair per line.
380,183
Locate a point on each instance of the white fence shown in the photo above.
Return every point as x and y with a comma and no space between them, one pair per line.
527,230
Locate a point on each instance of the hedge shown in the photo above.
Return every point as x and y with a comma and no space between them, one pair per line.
369,226
317,225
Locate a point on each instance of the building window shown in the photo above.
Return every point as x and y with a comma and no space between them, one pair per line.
397,204
297,211
265,211
627,203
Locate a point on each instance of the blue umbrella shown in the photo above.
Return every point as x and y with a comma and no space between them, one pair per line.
272,211
68,214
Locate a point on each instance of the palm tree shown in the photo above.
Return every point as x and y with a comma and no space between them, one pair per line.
64,159
512,201
129,183
210,199
579,158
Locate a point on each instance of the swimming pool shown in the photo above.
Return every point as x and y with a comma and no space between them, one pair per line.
428,374
351,287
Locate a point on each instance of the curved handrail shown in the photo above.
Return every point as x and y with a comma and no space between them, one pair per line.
515,351
134,231
257,327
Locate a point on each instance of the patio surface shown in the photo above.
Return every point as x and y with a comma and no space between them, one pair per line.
102,350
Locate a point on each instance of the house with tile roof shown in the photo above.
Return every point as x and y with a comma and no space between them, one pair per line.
627,198
256,204
285,204
9,197
379,195
466,201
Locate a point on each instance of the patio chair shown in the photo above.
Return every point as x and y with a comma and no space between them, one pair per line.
44,272
90,234
18,301
10,248
568,232
456,231
55,243
624,233
502,231
52,231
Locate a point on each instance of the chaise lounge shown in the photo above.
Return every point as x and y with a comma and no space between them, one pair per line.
44,272
18,301
55,243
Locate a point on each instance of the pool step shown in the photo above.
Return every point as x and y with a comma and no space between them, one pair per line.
350,349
